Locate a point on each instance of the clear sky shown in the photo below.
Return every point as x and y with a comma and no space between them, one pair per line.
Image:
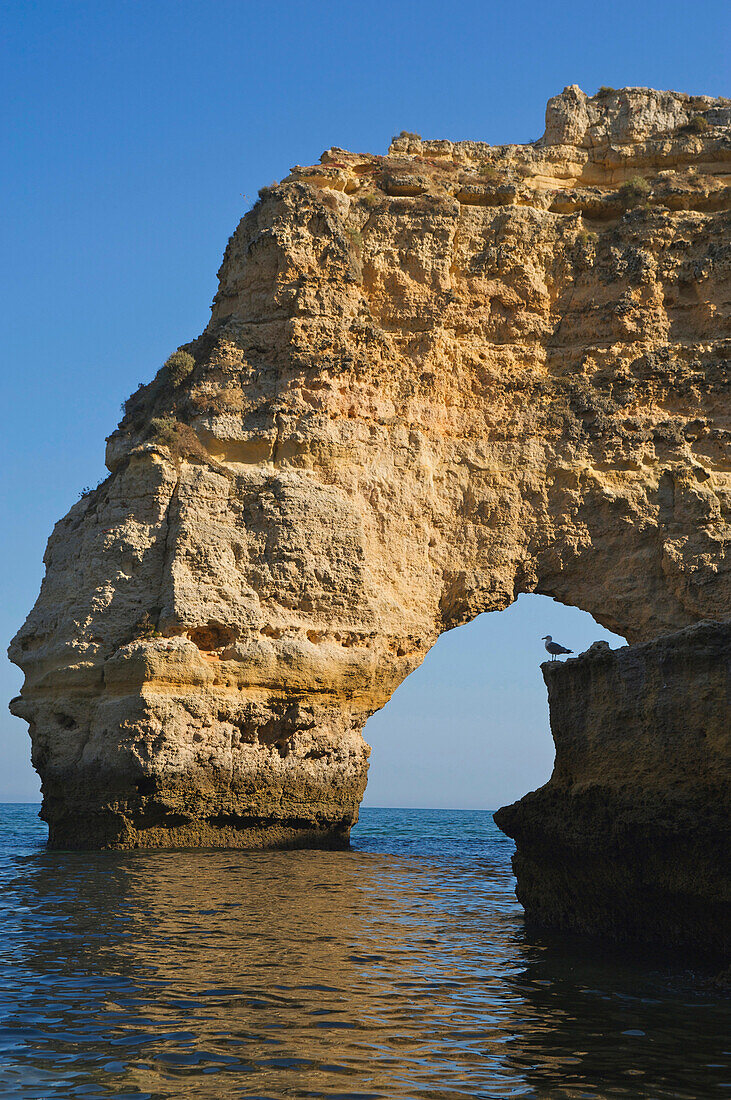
135,133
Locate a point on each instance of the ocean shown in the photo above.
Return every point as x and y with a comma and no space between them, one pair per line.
399,969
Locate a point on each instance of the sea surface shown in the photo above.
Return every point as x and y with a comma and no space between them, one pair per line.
399,969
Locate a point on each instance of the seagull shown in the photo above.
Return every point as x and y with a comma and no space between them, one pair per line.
554,648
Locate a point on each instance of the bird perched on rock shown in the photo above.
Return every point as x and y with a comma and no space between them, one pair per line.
554,648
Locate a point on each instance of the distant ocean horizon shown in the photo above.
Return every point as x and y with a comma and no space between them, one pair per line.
401,968
365,805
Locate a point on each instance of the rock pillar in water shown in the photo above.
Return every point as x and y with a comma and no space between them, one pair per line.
629,839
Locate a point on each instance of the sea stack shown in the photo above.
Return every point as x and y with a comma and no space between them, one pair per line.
432,380
629,839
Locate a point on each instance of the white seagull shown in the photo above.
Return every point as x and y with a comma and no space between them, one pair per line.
554,648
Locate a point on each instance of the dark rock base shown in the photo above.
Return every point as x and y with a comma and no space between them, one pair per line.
195,811
105,831
629,839
667,892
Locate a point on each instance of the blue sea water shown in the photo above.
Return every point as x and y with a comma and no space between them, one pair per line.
401,968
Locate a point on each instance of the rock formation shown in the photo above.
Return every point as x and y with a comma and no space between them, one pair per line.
432,380
630,837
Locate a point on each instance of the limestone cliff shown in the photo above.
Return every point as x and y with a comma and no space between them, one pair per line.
630,837
432,380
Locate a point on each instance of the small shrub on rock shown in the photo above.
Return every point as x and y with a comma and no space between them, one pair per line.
137,403
163,429
90,489
635,191
179,438
145,628
699,124
178,366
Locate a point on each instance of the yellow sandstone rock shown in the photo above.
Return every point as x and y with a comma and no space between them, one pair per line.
432,381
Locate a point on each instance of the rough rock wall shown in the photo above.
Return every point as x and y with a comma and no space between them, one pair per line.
629,839
432,380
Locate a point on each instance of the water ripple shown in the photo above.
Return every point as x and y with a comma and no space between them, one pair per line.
401,969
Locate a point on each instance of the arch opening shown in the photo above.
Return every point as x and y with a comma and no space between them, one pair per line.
469,728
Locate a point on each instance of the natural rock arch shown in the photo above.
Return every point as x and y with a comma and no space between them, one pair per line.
431,381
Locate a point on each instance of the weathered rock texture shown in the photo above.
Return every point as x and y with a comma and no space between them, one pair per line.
629,839
431,381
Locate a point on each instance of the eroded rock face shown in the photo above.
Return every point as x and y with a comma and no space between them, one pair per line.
629,839
431,381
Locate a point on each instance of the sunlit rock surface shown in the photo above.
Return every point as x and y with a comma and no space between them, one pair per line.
629,839
432,380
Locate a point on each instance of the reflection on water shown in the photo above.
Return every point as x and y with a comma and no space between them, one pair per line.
400,969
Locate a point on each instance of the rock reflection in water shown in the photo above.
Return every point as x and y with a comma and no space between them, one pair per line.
398,970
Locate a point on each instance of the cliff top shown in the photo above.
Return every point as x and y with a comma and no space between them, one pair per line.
613,115
592,139
620,158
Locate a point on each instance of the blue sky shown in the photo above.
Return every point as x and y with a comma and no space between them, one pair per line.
134,136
